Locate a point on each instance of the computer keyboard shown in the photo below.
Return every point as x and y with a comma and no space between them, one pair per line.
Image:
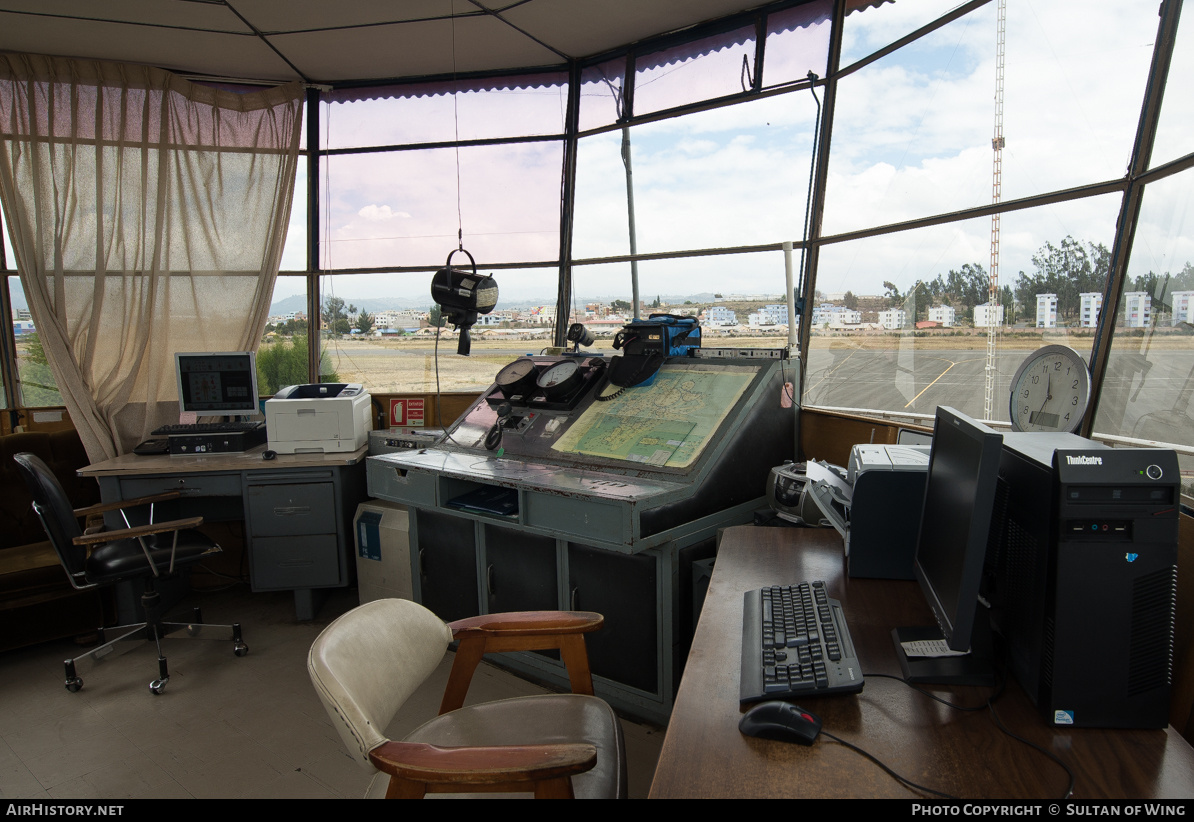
225,427
795,643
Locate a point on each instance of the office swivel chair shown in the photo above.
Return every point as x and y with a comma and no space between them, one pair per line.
368,662
145,552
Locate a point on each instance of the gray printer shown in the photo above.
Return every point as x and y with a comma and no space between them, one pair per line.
877,508
324,418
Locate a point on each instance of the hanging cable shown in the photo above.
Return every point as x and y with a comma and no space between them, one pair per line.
808,202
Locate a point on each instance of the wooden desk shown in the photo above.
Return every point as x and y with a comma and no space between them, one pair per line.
959,753
297,509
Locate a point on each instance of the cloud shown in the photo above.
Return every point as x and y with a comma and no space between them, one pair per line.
377,214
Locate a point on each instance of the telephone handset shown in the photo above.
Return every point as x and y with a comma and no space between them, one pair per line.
645,345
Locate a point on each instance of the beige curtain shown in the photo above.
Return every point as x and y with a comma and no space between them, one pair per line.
147,216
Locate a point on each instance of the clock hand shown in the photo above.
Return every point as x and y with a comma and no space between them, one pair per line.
1048,392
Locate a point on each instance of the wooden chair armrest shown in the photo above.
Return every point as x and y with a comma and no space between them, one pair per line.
416,767
527,623
138,531
520,631
102,507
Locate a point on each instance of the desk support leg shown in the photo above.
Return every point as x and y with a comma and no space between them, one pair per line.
307,602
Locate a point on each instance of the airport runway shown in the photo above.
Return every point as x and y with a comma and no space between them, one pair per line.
1141,393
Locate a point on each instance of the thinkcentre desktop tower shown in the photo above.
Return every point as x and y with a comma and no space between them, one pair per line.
1082,577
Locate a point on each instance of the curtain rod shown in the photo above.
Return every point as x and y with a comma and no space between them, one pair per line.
241,81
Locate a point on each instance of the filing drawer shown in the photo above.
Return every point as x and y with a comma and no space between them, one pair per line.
280,563
292,510
198,485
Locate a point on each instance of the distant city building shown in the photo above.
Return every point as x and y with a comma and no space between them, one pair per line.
987,315
768,315
1137,309
1091,305
893,318
719,315
943,314
1183,307
22,327
834,315
1046,310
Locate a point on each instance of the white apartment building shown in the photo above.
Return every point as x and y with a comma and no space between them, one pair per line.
943,314
1183,307
1046,310
893,318
1091,305
768,315
719,315
987,315
830,314
1138,306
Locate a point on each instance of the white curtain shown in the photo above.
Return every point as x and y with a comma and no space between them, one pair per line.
148,216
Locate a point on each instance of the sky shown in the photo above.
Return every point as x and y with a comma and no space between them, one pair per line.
911,138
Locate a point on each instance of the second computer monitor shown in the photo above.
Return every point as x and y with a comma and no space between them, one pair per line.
952,543
219,384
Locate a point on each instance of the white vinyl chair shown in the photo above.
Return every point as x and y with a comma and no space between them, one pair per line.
368,662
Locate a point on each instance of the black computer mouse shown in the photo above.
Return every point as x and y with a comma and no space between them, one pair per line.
267,454
781,720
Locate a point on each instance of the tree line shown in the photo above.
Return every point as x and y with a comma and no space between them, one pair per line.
1069,269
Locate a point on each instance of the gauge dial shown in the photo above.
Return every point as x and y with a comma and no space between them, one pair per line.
518,377
1050,391
560,378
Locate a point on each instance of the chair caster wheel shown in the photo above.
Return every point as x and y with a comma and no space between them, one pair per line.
158,685
240,649
74,684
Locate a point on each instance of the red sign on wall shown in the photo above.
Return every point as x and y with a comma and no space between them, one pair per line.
407,412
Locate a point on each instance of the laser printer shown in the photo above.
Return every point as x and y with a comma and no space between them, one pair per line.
325,418
877,508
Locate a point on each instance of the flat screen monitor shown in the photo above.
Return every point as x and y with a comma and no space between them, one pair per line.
217,384
951,547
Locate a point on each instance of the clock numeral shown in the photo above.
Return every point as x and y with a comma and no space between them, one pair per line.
1075,401
1075,385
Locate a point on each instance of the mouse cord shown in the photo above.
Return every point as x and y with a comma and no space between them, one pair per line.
907,782
989,705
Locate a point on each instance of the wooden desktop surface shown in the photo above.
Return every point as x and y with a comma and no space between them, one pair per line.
250,460
960,753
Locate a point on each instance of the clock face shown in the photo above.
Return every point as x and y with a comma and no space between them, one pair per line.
1050,391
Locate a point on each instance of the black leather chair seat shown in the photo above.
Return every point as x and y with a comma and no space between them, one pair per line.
123,559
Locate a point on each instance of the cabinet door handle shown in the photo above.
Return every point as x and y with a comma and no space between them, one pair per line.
572,597
291,510
489,578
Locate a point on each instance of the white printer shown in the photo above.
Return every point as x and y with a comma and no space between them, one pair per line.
324,418
877,507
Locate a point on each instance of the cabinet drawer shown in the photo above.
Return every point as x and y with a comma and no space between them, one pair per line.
292,510
191,485
295,562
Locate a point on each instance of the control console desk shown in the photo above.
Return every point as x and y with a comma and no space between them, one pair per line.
589,504
297,509
960,753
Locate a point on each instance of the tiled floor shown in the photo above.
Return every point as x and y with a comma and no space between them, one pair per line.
225,727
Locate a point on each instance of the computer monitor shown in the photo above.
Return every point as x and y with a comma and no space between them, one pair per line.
217,384
950,549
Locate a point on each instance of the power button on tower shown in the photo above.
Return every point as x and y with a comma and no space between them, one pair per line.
1153,472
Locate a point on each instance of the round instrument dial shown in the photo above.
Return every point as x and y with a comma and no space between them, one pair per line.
1050,391
560,378
518,377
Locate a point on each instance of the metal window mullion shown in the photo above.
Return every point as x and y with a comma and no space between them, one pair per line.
567,205
812,253
313,248
1125,231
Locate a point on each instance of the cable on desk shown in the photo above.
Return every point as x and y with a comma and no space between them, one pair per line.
989,705
907,782
999,723
995,694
